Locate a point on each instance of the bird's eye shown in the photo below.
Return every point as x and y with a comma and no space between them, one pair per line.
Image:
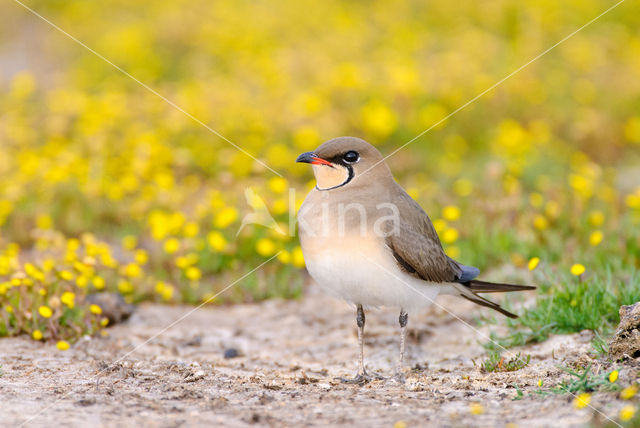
351,157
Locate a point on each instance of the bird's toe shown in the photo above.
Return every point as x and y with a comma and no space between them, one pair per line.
361,378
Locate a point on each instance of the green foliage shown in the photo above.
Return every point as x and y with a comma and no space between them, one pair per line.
497,363
573,306
582,381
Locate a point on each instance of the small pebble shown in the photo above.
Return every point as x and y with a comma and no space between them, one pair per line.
196,376
231,353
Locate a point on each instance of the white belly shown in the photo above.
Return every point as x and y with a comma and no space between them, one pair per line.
362,271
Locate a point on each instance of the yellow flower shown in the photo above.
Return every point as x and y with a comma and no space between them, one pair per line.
632,201
208,298
439,225
476,409
37,335
432,115
66,275
159,286
216,241
125,287
413,192
68,298
225,217
629,392
540,222
73,244
182,262
98,282
632,129
306,138
613,376
132,270
265,247
536,199
44,221
129,242
191,229
279,206
165,290
582,400
193,273
540,382
31,270
453,251
104,322
450,235
108,260
596,218
577,269
95,309
463,187
9,308
596,237
23,85
378,119
297,258
627,412
533,263
62,345
171,245
284,256
44,311
400,424
82,281
278,184
451,213
142,257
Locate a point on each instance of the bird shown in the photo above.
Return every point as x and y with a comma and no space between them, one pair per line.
366,241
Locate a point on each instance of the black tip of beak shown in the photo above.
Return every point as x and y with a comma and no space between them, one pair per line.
306,157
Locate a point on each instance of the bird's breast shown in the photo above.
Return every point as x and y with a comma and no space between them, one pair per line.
362,270
344,247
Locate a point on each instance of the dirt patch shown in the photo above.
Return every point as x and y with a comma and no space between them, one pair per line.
289,354
625,343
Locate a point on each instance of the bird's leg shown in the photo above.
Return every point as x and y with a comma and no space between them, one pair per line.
360,319
362,376
403,319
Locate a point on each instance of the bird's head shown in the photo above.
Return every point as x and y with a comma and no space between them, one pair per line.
341,161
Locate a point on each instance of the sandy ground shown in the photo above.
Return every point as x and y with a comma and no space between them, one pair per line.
290,355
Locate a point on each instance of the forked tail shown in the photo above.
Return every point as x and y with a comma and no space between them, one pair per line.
469,289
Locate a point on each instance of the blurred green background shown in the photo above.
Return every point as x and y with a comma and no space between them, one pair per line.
106,186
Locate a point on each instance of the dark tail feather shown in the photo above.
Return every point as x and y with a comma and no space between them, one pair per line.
488,304
478,286
469,289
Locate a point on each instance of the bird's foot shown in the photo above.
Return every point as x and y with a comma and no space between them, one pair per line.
362,378
398,378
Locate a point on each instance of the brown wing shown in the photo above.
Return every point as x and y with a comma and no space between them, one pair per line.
416,245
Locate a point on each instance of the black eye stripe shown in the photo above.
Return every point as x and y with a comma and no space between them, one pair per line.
345,158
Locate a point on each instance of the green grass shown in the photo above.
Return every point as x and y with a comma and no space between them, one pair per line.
582,381
571,306
497,363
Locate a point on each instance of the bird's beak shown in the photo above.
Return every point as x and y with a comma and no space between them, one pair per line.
312,158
